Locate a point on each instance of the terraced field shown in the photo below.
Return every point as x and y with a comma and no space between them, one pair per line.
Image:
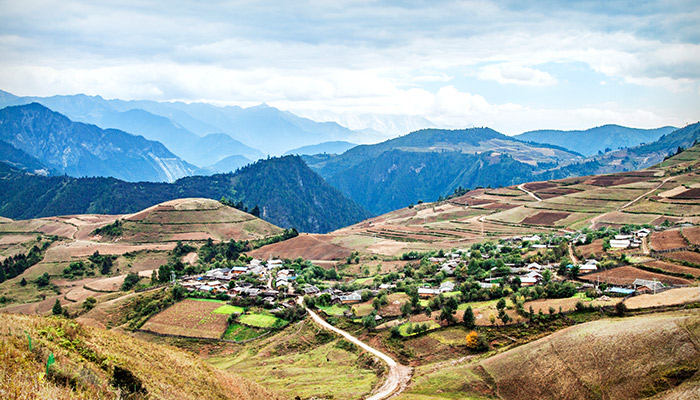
668,239
192,318
627,275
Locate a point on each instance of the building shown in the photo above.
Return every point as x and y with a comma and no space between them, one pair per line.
619,243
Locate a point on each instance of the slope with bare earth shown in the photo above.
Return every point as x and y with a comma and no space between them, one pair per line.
624,358
91,363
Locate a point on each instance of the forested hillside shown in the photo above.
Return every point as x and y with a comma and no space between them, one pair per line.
286,191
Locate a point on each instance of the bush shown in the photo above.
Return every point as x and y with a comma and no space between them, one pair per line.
130,281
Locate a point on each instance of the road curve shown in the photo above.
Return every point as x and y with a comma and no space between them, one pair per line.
534,196
399,375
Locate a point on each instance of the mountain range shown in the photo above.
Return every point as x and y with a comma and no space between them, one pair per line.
252,132
287,192
56,143
599,139
337,147
427,164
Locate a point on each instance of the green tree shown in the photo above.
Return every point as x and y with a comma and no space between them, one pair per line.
406,309
89,303
57,309
468,319
130,281
43,280
23,282
501,304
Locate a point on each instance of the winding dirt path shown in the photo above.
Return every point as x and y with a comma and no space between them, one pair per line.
399,375
534,196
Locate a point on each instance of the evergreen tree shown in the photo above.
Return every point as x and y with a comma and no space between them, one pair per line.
57,309
468,319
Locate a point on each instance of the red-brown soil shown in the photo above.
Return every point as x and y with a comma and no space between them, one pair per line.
308,246
688,256
544,218
675,268
627,275
669,239
692,234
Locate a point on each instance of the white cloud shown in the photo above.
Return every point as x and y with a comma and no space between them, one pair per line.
508,73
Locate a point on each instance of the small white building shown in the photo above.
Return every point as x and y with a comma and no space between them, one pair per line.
619,243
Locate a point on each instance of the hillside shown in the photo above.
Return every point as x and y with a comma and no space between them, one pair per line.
95,363
651,153
79,149
666,191
288,193
626,358
591,141
427,164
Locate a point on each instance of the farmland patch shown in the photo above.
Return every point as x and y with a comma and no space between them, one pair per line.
190,318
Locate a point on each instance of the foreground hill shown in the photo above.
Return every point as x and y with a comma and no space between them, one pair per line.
287,192
426,164
95,363
591,141
626,358
79,149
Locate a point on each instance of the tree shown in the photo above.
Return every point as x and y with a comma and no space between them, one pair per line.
130,281
43,280
620,309
546,276
472,339
468,319
492,319
89,303
428,311
505,318
574,271
57,309
406,309
23,282
501,304
368,321
255,211
447,315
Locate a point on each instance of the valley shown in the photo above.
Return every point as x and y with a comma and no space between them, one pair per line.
442,297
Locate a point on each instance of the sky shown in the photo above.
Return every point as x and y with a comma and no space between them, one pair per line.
509,65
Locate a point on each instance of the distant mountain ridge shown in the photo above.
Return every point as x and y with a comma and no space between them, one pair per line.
288,193
79,149
262,127
591,141
432,162
337,147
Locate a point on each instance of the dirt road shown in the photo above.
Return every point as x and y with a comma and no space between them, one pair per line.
534,196
399,375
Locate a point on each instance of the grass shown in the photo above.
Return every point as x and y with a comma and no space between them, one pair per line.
362,309
262,321
302,360
228,309
334,309
82,354
403,329
210,300
363,281
240,332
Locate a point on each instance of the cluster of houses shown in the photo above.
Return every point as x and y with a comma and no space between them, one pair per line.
633,240
218,280
337,296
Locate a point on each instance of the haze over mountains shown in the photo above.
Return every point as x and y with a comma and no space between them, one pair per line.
591,141
421,166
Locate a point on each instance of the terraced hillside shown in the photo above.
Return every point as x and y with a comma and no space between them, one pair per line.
138,243
95,363
668,191
611,358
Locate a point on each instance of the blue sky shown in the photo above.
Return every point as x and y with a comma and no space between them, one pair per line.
510,65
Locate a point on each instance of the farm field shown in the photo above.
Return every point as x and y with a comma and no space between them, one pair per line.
334,309
675,268
190,317
668,239
666,298
692,234
240,332
627,275
262,321
687,256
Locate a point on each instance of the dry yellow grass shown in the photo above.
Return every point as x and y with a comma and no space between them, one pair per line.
86,358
